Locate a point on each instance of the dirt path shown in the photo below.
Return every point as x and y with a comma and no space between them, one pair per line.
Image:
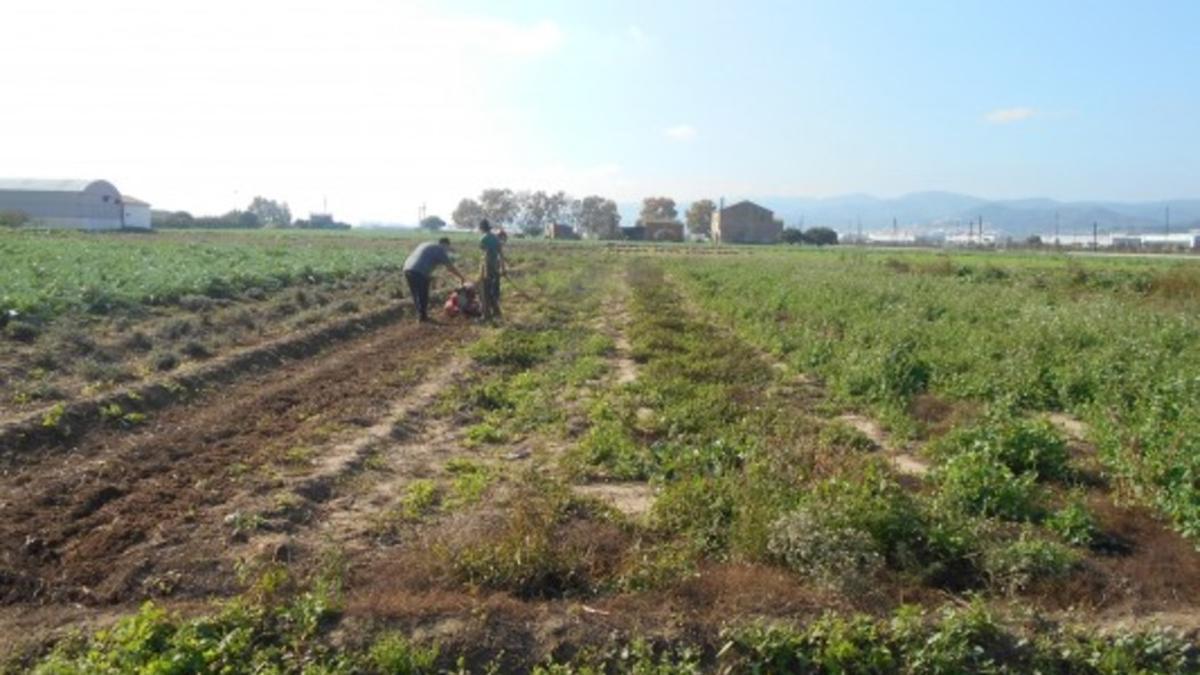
902,460
410,445
632,498
129,514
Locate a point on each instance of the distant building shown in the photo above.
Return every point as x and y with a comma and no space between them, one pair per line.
746,223
320,221
135,213
1181,240
72,204
892,238
966,239
1178,241
661,229
633,233
559,231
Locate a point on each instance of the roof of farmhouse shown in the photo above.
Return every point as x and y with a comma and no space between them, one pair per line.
745,203
45,185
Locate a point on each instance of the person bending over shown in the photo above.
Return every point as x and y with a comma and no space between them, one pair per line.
418,272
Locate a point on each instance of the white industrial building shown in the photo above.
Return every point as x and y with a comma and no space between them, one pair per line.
72,204
1127,241
135,213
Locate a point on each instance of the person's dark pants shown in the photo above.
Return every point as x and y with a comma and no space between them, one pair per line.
418,285
491,294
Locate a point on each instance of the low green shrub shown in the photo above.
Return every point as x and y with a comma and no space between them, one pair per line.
610,448
528,555
1013,566
976,483
1073,523
516,347
839,556
395,654
701,508
1023,445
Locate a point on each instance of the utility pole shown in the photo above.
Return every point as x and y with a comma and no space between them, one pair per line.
1095,232
1056,229
1168,231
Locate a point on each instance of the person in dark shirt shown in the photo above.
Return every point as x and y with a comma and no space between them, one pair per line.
418,272
491,269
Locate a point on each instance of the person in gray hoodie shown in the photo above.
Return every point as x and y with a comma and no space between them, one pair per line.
418,272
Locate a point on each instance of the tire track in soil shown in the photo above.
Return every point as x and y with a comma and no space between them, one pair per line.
410,445
632,498
414,446
128,514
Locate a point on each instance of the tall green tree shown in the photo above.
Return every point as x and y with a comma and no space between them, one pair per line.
700,216
659,208
820,236
597,216
467,214
537,211
499,206
270,213
432,223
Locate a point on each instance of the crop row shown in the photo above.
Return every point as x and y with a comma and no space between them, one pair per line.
1114,345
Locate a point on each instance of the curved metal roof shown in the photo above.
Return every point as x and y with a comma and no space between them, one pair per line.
47,185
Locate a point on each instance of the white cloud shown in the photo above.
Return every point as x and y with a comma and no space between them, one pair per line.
637,36
507,38
1010,115
194,105
681,132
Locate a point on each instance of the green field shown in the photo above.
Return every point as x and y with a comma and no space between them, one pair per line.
1112,342
667,459
48,273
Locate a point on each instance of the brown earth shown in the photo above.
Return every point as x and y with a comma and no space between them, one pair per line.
126,514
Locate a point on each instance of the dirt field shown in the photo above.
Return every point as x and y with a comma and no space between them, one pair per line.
609,465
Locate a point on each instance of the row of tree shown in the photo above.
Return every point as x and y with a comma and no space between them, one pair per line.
261,212
534,212
817,236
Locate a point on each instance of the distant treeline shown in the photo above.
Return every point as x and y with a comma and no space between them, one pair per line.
261,213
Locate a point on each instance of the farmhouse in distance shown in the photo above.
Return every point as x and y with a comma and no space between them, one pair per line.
746,223
72,204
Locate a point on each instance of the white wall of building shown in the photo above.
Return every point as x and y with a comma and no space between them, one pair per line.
137,215
83,205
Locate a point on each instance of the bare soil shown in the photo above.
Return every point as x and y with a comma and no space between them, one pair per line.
127,514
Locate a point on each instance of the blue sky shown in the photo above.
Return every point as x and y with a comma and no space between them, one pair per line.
381,106
824,98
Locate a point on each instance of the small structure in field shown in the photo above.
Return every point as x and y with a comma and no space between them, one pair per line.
661,229
320,221
633,233
71,204
746,223
135,213
560,231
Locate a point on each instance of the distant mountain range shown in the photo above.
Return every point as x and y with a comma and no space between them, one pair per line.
950,212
